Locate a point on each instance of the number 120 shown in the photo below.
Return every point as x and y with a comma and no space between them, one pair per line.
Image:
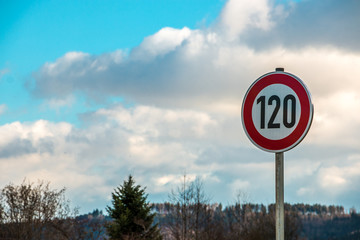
289,123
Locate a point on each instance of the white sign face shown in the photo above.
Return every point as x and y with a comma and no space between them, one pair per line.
276,111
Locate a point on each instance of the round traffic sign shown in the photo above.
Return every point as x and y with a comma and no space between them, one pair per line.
277,111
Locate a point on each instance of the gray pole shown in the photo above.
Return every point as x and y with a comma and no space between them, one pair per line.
279,172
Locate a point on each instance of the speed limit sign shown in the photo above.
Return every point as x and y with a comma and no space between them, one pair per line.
277,111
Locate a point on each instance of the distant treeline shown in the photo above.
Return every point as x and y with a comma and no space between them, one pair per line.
255,221
35,211
242,221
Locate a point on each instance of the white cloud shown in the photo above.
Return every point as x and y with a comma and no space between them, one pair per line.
63,64
118,141
238,15
337,121
309,23
187,87
164,41
135,140
57,103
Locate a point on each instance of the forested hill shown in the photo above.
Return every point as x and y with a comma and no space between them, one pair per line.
35,211
256,221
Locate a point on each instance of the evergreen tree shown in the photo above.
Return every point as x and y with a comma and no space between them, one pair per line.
131,214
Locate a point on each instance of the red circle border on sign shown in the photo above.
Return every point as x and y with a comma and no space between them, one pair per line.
306,115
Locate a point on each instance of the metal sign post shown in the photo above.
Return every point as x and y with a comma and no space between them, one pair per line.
276,114
279,185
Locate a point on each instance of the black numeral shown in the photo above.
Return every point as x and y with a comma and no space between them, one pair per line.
271,123
262,111
293,111
289,101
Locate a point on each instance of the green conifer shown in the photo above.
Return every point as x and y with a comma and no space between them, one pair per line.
131,214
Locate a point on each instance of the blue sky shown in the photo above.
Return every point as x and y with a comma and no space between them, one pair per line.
45,30
91,91
35,32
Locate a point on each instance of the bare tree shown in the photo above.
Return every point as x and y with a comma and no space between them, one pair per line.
190,211
180,212
30,211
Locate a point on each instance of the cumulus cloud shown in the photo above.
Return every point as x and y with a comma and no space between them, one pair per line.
238,16
147,141
312,23
164,41
186,86
207,68
337,122
157,145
